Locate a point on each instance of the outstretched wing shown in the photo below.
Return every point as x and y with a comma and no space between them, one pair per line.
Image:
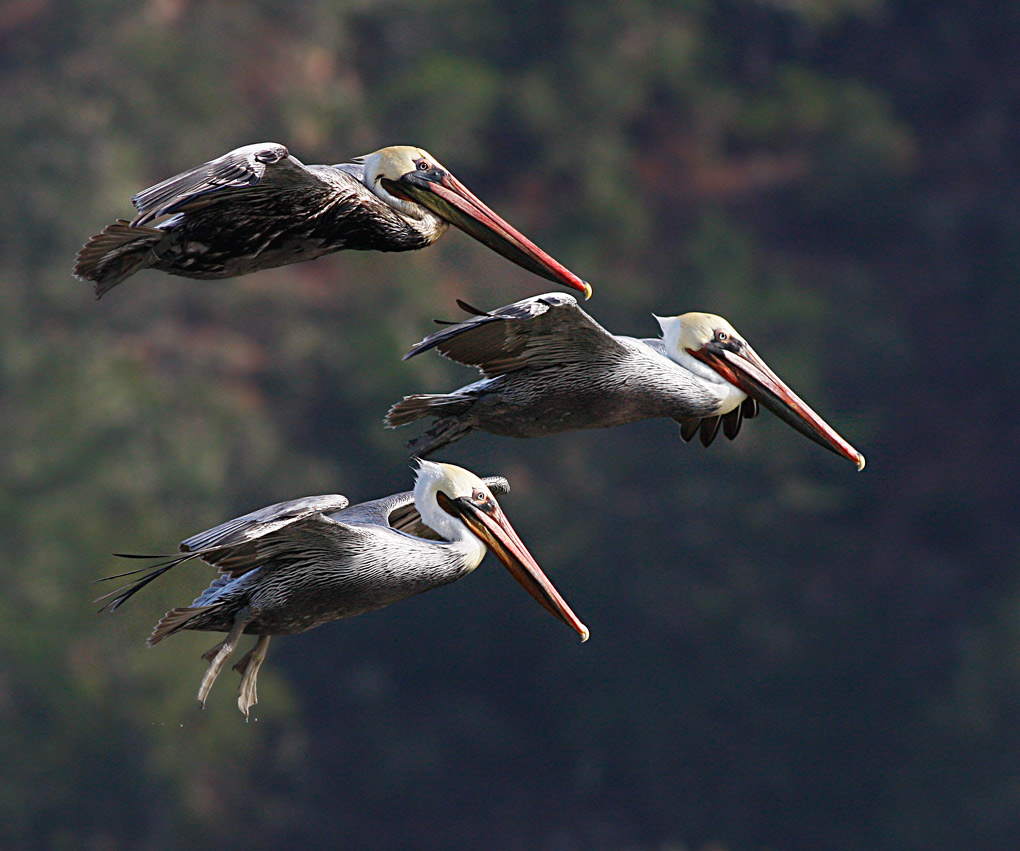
255,524
240,169
232,547
551,328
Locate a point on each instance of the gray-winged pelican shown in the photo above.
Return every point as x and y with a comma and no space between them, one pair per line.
295,565
549,367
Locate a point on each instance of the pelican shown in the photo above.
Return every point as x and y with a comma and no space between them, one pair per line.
549,367
258,207
295,565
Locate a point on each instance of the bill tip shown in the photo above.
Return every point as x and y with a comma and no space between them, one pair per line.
586,290
584,633
860,462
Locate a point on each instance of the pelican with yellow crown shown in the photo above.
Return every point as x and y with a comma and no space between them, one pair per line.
296,565
258,207
549,367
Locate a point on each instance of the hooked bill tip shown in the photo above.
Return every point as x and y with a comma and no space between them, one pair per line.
587,290
860,462
584,633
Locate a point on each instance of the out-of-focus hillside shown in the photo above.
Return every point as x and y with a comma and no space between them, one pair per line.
784,654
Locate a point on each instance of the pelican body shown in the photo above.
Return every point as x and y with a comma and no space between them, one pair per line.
295,565
258,207
549,367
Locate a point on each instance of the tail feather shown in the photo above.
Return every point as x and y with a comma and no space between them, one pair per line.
451,425
174,621
444,432
413,408
117,253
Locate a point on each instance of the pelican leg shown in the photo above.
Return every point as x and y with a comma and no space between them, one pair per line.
248,668
217,655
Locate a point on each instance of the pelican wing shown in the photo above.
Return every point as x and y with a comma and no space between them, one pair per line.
235,547
305,542
258,523
549,328
239,169
231,546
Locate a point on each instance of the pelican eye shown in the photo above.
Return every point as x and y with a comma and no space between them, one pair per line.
480,496
722,336
423,165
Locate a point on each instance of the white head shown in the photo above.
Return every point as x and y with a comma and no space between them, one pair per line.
710,348
691,332
393,163
453,480
433,477
460,507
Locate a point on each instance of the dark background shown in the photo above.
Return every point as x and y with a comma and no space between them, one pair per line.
785,654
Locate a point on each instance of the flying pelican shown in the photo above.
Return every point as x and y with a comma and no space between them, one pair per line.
549,367
258,207
295,565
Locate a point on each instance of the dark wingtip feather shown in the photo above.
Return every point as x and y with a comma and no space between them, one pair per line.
468,308
434,340
125,592
709,429
130,572
688,428
731,422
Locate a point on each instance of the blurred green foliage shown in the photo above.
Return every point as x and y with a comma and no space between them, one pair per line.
784,655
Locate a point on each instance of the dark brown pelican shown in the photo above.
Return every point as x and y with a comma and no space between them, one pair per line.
295,565
258,207
549,367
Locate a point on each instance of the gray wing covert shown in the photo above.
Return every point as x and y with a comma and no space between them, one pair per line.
550,327
239,169
656,344
308,543
235,546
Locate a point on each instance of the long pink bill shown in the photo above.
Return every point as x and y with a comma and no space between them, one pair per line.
490,524
750,373
450,199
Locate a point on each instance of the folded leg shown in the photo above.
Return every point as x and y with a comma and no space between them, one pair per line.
217,655
248,668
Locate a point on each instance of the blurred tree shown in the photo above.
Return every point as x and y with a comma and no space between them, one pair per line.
783,655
